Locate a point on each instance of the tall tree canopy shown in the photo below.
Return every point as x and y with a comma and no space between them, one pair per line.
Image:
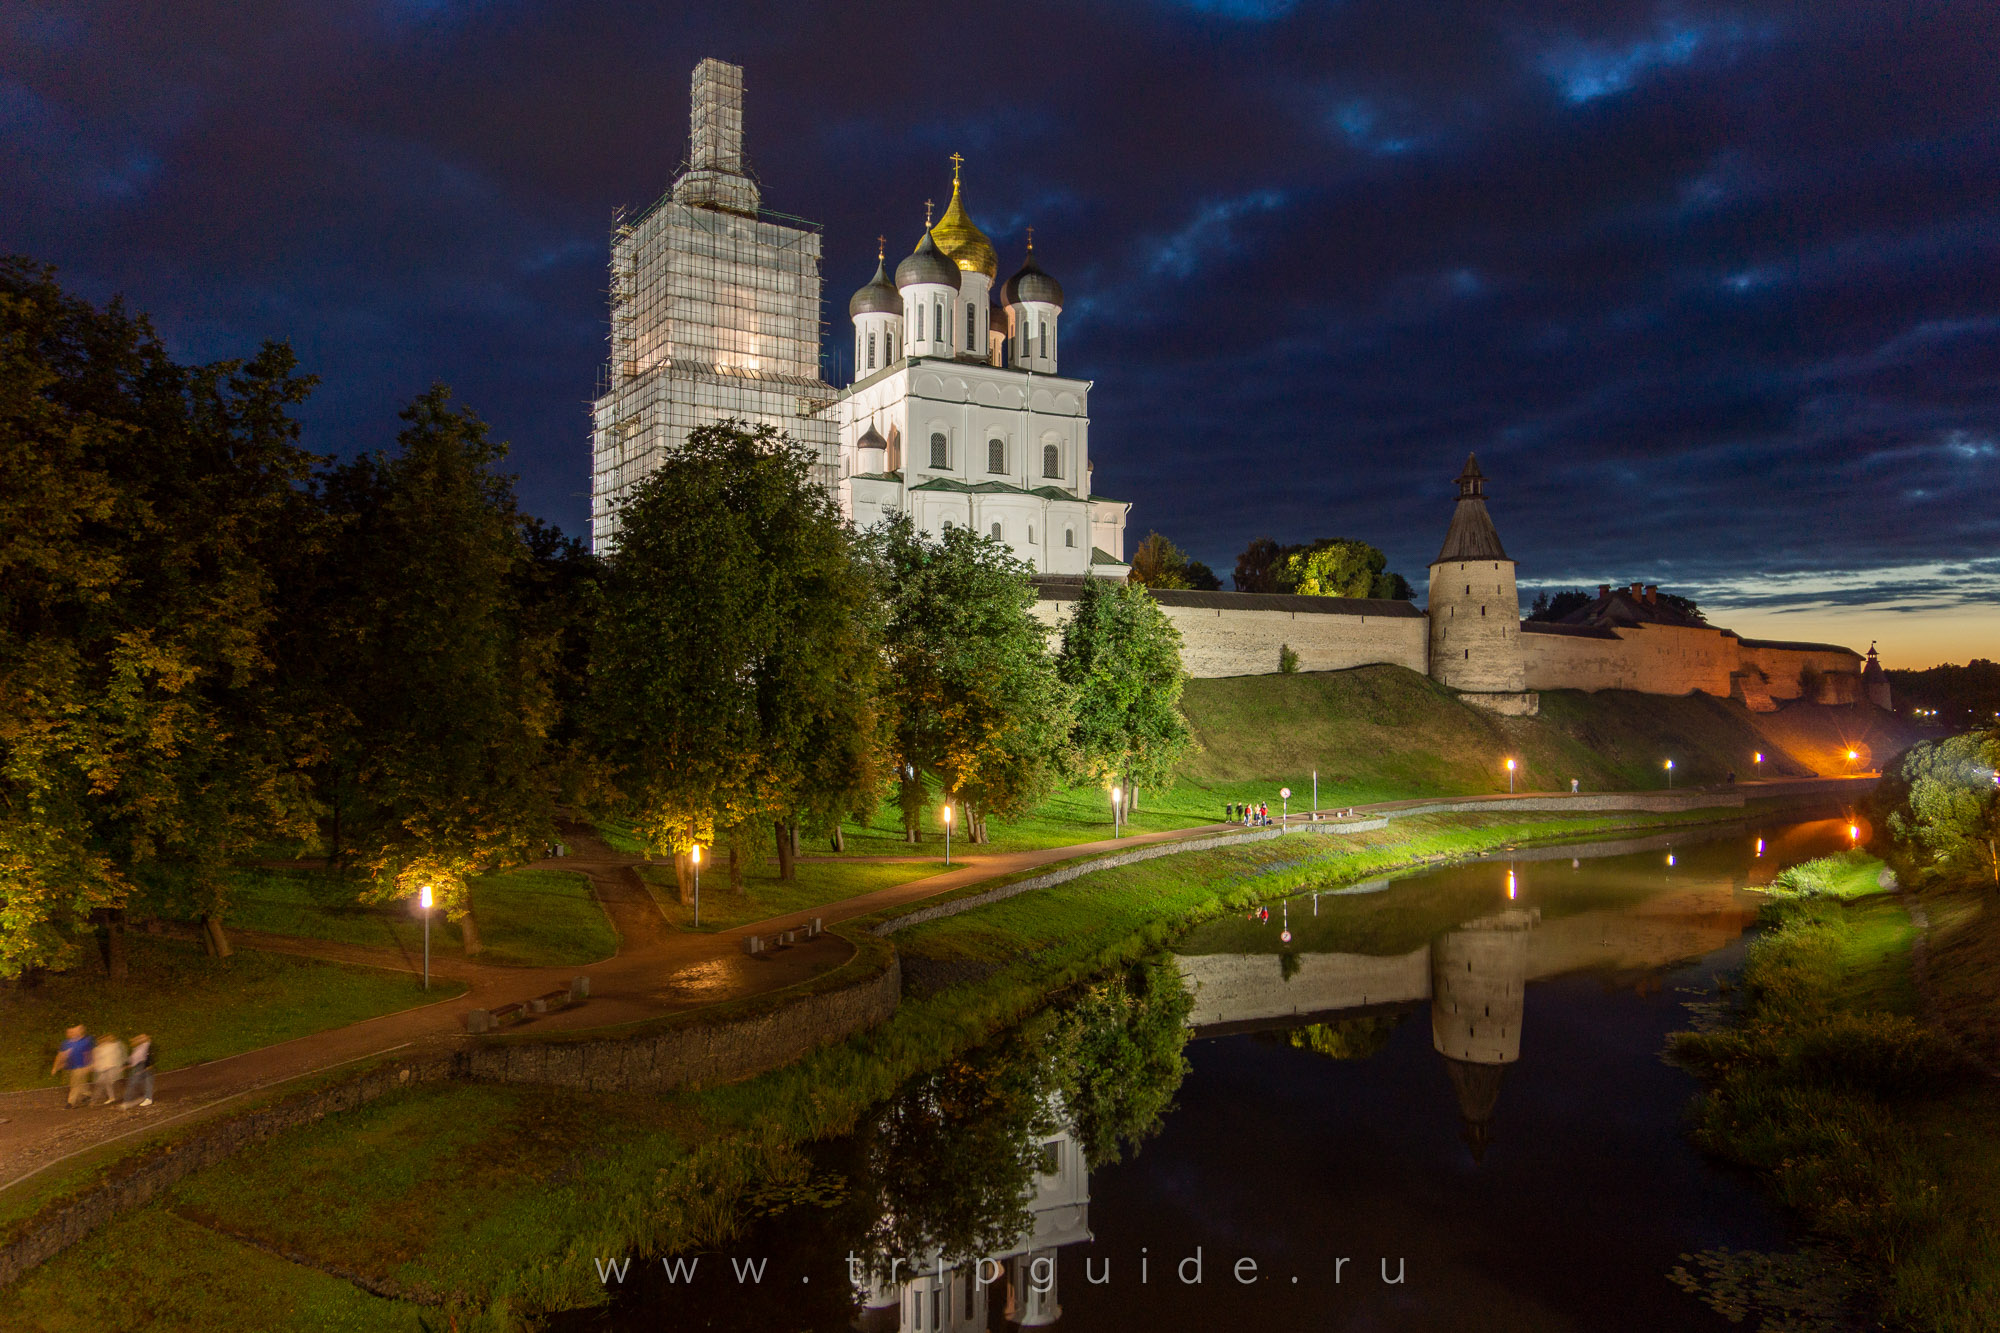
1329,567
1158,563
1942,807
1121,660
970,697
736,654
140,505
434,702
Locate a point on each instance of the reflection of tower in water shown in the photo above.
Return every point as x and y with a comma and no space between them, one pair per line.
1478,984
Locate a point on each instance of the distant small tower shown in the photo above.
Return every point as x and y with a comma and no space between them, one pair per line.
1875,682
1475,609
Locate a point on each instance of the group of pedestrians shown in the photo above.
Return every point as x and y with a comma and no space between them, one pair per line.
97,1068
1252,815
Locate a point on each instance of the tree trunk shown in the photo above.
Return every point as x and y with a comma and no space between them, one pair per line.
735,861
787,837
839,845
683,878
212,938
468,931
111,941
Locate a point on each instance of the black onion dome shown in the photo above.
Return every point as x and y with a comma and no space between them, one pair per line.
1031,284
927,264
879,297
871,439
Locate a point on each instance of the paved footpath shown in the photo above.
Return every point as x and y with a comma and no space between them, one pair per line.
657,970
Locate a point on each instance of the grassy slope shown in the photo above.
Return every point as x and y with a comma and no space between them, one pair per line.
1895,1163
196,1007
1381,733
526,917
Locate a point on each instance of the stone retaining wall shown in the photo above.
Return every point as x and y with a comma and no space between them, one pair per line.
696,1053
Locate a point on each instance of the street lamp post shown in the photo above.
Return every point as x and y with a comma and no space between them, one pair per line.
1510,777
1758,760
1315,793
1670,775
1117,810
697,887
424,899
947,833
1284,808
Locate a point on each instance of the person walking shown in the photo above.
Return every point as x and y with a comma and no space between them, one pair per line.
74,1055
139,1073
108,1058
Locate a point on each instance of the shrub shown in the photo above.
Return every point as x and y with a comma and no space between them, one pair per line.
1288,661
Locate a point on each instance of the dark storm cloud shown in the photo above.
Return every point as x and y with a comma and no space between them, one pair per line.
1711,287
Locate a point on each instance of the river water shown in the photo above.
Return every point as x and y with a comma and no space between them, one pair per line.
1436,1102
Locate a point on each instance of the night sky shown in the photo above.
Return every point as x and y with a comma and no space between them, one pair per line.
1713,289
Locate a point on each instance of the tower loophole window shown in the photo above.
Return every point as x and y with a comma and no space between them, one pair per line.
996,456
1051,461
940,451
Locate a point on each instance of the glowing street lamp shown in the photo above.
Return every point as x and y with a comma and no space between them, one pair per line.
947,833
697,887
1117,798
424,901
1510,777
1670,774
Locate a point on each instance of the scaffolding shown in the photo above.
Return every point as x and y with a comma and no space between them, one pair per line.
716,312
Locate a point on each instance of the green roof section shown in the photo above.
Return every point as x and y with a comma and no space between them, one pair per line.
990,488
1100,556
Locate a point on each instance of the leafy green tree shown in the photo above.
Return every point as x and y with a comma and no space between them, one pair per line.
1201,578
436,697
1336,567
140,502
1942,808
1118,1057
1552,607
734,666
970,696
1329,567
1121,661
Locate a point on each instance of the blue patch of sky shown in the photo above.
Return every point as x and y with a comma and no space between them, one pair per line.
1248,11
1211,231
1360,122
1585,71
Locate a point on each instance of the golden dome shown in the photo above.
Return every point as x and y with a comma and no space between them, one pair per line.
962,242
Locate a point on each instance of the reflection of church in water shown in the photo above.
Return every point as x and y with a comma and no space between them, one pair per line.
1019,1286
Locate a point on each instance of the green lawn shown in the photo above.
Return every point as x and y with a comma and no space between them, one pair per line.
196,1007
154,1270
528,917
765,895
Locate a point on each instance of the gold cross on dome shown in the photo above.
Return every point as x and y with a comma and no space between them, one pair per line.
927,215
881,246
957,160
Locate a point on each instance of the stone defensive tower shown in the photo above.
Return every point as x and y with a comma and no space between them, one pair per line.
1479,975
1475,609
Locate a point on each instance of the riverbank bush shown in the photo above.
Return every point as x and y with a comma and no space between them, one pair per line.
1839,1101
1853,874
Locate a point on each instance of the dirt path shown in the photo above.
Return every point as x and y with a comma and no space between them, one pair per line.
657,970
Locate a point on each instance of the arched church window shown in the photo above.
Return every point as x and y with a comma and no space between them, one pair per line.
1045,342
1069,536
920,323
996,532
1031,534
940,450
971,328
996,456
871,351
938,329
1051,461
